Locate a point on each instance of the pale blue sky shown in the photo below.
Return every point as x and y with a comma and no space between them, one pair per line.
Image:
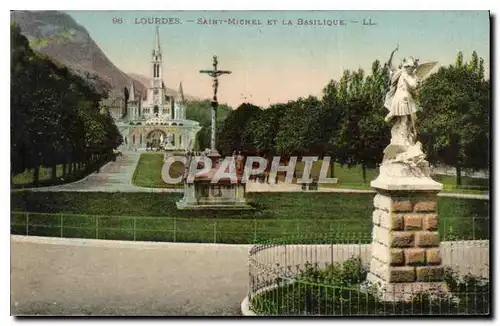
279,63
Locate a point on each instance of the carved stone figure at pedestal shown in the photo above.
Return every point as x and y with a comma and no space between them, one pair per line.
405,246
402,107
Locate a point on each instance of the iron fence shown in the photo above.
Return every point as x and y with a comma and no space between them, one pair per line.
220,230
329,278
294,269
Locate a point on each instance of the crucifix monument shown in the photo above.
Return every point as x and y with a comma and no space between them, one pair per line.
224,193
214,73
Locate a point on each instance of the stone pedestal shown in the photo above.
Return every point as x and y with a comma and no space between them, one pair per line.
405,247
206,195
223,195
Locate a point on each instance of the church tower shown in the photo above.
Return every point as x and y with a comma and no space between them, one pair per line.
157,103
156,70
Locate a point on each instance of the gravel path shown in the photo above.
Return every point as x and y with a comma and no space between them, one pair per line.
112,177
100,277
53,276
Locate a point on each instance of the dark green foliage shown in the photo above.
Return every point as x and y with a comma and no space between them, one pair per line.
299,128
234,134
348,125
455,119
201,111
265,128
361,134
55,115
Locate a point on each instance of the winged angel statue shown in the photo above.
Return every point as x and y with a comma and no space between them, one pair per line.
402,107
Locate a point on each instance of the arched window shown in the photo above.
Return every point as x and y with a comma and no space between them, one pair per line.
140,139
133,139
156,70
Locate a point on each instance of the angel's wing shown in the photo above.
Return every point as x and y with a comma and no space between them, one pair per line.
424,68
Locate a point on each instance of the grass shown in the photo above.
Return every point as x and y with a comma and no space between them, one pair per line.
286,216
148,172
45,174
25,179
352,178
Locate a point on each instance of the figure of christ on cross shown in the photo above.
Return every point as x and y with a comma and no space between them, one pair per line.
215,73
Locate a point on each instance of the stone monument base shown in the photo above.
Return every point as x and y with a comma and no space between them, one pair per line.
202,194
205,195
406,257
395,292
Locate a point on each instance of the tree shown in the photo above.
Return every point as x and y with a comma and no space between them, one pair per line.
455,117
201,111
55,116
232,134
297,134
361,134
265,128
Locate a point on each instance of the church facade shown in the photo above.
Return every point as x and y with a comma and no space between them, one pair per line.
156,118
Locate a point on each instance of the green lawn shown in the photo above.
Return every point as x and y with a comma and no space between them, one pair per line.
287,216
27,176
352,178
148,172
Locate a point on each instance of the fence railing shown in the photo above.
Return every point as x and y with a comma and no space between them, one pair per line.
331,279
221,230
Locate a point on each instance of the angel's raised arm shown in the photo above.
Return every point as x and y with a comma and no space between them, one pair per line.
389,63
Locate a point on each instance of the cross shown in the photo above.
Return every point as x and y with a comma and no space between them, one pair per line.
215,73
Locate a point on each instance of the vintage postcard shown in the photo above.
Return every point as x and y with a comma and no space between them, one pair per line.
250,163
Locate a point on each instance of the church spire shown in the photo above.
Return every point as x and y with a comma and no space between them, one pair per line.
157,41
131,93
156,62
181,93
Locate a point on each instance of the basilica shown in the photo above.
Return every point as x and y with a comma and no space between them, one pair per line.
156,118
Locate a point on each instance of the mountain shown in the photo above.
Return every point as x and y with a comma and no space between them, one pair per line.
170,91
57,35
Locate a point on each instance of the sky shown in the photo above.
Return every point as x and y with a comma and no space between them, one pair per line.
277,59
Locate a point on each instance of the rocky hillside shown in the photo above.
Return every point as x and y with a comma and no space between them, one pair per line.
58,36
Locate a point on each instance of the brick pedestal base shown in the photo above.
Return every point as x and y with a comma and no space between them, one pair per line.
405,247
